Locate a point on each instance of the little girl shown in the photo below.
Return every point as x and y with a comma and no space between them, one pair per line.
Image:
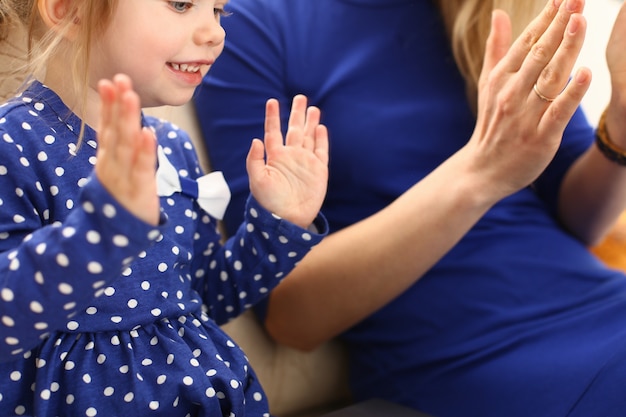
113,281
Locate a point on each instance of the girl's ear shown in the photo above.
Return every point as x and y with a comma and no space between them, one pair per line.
54,14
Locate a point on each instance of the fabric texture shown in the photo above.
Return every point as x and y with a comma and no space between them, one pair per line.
103,314
519,319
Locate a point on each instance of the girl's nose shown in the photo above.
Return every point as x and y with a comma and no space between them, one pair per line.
210,31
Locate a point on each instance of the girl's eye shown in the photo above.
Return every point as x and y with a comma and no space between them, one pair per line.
181,6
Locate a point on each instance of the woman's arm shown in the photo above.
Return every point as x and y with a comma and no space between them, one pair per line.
593,193
353,278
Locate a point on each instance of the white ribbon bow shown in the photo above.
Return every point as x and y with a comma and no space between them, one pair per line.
210,191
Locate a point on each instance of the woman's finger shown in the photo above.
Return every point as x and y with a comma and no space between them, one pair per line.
542,36
556,73
498,42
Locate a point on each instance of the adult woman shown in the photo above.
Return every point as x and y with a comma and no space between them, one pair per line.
458,288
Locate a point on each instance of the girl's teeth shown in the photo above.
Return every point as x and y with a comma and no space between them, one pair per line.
185,67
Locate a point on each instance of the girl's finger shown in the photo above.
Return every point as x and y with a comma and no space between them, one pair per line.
273,135
310,127
297,119
321,147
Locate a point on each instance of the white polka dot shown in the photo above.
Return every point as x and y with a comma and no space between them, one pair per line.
8,321
188,381
94,267
88,206
36,307
162,267
69,399
109,211
129,397
234,384
65,288
257,396
19,219
63,260
15,376
210,392
72,325
14,265
120,241
40,326
108,391
93,237
45,394
91,412
7,295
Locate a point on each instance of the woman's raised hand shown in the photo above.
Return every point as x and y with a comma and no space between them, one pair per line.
290,178
526,96
126,157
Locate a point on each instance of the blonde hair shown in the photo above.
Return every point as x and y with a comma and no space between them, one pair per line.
468,23
85,18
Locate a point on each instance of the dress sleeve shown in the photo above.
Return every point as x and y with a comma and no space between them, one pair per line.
50,270
264,249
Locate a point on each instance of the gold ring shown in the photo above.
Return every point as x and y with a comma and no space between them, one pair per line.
541,96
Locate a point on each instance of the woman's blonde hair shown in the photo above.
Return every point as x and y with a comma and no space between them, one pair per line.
468,23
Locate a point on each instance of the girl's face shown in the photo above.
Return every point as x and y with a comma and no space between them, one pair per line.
166,47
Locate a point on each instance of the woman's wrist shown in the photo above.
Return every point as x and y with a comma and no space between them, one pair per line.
611,150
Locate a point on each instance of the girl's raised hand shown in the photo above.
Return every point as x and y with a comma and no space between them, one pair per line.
526,96
126,157
290,178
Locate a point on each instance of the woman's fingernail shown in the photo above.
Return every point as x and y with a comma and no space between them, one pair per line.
571,5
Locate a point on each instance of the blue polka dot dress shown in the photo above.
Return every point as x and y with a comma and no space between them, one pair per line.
104,315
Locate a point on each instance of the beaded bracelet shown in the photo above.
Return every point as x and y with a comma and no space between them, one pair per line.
606,146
